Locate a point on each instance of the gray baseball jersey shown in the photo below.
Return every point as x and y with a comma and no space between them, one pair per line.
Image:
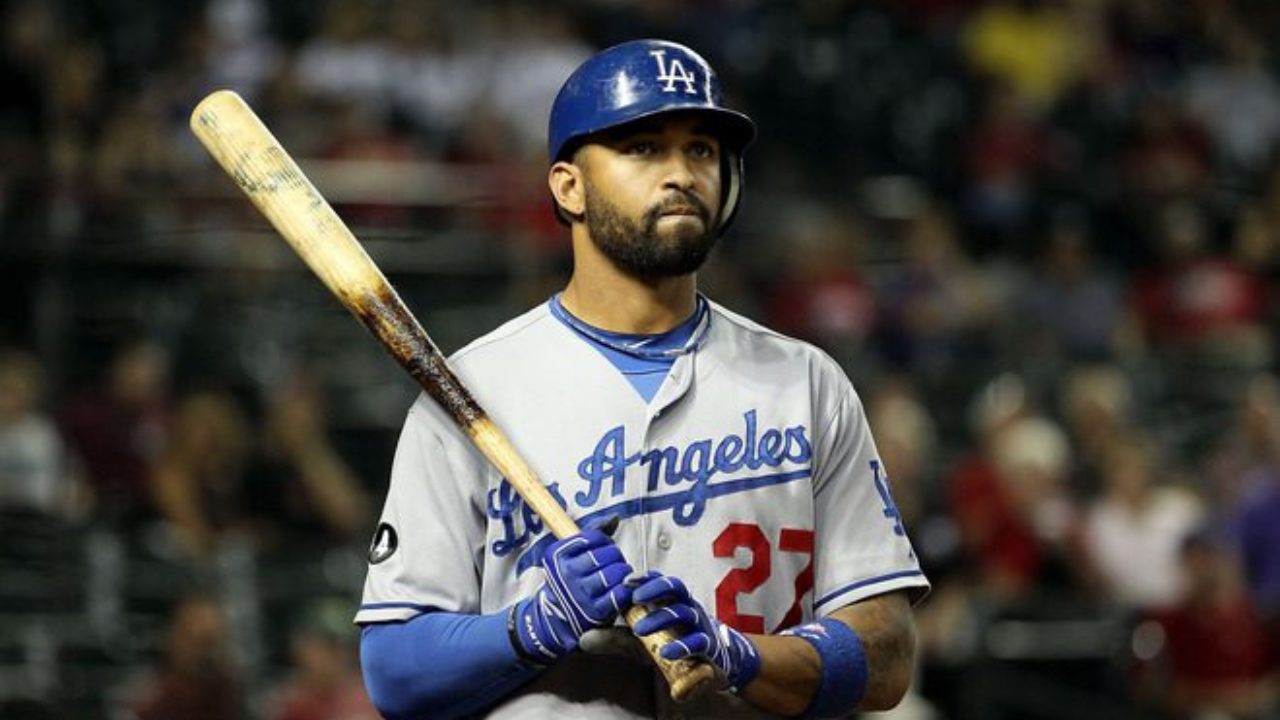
751,475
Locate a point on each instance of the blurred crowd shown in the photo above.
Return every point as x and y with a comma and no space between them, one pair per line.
1042,236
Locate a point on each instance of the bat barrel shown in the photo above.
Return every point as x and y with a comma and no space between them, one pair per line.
387,317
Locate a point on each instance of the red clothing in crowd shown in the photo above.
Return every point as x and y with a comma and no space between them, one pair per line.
1189,303
994,535
344,701
1217,646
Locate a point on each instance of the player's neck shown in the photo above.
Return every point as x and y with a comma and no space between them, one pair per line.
604,297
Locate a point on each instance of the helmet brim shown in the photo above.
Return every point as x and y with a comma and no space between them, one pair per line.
735,130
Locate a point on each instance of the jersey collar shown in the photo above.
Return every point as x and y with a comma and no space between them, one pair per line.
683,339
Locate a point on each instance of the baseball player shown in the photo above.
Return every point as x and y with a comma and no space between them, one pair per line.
722,472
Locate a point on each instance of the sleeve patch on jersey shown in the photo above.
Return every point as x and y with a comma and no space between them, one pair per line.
384,543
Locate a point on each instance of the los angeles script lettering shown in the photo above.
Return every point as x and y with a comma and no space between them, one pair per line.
690,468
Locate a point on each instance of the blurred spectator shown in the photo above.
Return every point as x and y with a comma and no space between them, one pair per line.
539,50
1152,40
934,302
292,111
246,54
198,482
196,679
1096,403
77,93
995,539
1006,152
28,34
820,295
325,681
437,78
1032,462
1220,660
1165,156
1245,470
1133,533
297,482
1199,306
1256,527
1256,246
35,472
358,135
1040,47
1248,451
1238,101
347,60
1268,201
128,163
1073,306
119,428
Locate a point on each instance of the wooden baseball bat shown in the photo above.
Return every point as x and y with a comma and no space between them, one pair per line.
244,147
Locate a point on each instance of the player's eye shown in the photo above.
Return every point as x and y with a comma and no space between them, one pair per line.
703,150
640,147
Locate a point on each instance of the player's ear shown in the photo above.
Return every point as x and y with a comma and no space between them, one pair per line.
565,180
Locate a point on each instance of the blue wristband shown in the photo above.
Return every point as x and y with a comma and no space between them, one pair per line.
844,667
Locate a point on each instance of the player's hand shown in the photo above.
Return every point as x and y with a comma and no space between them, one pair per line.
699,633
585,588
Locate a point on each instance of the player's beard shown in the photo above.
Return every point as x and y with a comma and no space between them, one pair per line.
638,248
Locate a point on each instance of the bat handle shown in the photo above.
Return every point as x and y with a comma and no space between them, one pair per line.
688,677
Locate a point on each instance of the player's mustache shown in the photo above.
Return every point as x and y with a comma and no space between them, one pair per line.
680,201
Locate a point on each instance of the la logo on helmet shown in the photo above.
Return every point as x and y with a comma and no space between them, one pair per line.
673,72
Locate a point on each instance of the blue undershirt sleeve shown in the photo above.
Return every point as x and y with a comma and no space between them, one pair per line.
440,664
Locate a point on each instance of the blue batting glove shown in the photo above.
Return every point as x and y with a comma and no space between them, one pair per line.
585,589
699,633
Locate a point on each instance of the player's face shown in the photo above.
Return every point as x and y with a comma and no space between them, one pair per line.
652,195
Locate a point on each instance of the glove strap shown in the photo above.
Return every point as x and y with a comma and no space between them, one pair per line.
745,654
513,634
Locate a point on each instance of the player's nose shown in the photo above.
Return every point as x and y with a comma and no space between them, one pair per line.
678,171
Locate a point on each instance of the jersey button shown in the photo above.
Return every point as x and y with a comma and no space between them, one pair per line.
664,541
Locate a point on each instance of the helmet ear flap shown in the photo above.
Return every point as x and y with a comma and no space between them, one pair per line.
730,188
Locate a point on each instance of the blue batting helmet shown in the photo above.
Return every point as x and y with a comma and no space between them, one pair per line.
641,79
